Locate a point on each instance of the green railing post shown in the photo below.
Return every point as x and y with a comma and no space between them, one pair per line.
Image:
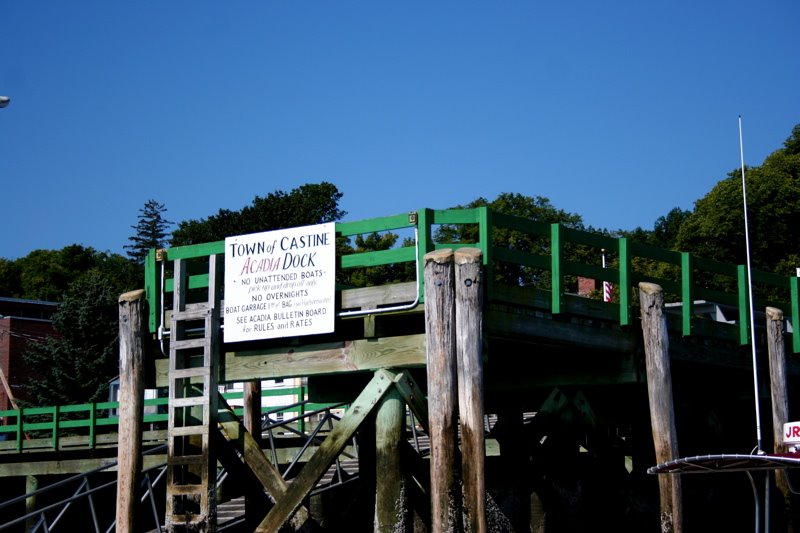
152,288
485,245
425,244
93,425
794,286
744,298
56,414
687,297
302,419
556,247
624,281
20,430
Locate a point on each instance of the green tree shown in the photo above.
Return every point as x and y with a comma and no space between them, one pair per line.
378,275
715,229
76,366
47,274
305,205
151,231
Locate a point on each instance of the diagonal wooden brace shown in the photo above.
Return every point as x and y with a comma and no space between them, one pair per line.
330,448
253,456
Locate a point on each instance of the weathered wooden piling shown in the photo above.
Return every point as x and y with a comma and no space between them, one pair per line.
780,403
659,391
442,390
391,510
469,349
251,403
131,402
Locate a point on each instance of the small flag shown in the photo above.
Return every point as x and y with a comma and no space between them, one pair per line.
607,288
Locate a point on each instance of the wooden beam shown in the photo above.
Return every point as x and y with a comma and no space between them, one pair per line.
316,359
327,452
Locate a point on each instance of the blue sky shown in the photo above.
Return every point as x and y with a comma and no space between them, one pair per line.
615,110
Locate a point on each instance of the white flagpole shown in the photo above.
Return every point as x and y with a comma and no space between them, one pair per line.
750,294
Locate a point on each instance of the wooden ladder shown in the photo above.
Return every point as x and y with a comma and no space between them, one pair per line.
193,393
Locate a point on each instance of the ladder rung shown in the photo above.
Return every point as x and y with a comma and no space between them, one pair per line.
181,460
188,344
189,402
192,312
186,431
185,490
196,372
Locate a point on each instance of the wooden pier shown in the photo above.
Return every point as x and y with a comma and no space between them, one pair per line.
487,330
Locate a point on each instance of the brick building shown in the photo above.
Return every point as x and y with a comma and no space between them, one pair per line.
21,322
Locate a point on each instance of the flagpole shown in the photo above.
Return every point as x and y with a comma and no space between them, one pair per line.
750,294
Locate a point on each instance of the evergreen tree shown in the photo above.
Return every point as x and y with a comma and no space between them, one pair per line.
151,231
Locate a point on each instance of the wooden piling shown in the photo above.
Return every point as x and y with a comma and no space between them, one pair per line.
441,372
659,390
251,403
132,325
469,349
391,510
780,404
31,486
251,418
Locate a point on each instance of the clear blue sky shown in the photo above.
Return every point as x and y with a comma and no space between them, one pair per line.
617,111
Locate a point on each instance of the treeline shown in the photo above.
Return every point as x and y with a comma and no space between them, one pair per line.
77,366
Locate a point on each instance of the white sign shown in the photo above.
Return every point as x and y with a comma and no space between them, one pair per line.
791,433
280,283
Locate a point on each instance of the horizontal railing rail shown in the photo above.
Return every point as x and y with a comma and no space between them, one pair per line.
546,256
91,425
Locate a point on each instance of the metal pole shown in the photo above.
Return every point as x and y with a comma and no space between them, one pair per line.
750,295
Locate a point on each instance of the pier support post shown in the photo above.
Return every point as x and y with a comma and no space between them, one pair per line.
469,348
31,485
131,403
441,373
780,403
251,402
659,390
391,510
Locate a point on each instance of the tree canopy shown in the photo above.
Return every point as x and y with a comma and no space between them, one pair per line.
305,205
47,274
715,228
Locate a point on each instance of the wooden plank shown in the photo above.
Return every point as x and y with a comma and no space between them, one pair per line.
370,297
317,359
530,324
327,452
414,397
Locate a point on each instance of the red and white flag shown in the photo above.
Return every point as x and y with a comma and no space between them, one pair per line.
607,288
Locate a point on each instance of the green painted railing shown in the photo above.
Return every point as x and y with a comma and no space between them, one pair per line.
90,420
691,278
